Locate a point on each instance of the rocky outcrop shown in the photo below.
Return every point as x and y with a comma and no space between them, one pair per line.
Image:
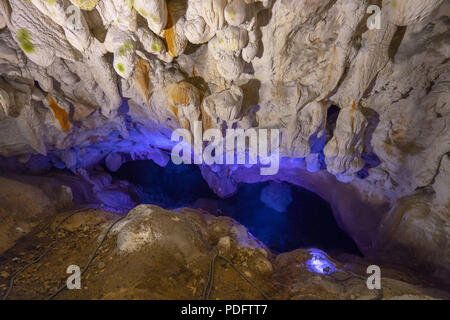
154,253
24,206
67,67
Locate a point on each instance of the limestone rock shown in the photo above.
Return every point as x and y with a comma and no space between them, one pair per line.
85,4
154,253
308,127
343,151
84,79
174,33
155,11
113,161
224,106
403,13
184,101
24,205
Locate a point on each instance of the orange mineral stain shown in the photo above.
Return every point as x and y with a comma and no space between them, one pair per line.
142,78
59,113
179,93
174,110
186,124
170,35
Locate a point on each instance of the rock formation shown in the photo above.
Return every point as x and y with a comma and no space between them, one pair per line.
171,253
87,82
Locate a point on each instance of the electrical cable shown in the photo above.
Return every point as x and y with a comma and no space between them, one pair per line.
356,276
46,251
92,256
209,284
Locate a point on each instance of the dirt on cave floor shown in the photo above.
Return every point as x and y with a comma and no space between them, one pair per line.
162,271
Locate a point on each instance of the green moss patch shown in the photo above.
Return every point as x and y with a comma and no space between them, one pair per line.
142,12
120,67
154,18
85,4
155,47
126,47
24,37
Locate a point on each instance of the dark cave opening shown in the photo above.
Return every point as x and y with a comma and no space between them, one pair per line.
285,217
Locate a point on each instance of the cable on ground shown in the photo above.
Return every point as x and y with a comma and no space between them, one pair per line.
209,284
46,251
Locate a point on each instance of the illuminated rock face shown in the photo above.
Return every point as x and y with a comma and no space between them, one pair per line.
383,163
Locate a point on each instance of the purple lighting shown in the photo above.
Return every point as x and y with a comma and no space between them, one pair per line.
319,263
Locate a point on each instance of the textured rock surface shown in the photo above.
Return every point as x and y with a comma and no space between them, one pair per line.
266,64
160,254
24,206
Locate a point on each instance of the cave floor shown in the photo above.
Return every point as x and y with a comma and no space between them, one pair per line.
156,272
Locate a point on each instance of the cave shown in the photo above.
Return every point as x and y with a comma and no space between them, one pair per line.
224,150
284,217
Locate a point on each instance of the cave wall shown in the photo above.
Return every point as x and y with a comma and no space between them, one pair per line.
112,85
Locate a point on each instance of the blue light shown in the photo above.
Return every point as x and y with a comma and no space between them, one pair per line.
305,220
319,262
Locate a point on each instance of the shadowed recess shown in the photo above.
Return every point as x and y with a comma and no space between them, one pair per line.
285,217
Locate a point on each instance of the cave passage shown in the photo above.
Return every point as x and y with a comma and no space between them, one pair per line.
283,216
